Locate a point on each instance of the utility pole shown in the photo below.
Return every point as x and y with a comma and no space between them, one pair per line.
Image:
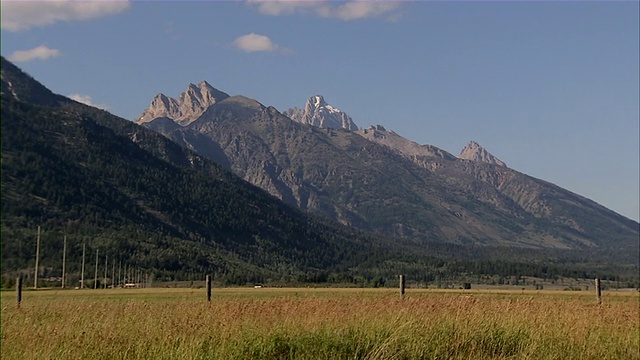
106,268
95,278
84,245
35,280
113,273
64,258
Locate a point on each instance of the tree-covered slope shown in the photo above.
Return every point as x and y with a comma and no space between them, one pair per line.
124,189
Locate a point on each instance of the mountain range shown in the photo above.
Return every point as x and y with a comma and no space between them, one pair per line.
238,189
373,179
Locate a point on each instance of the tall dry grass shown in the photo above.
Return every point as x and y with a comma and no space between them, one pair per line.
308,324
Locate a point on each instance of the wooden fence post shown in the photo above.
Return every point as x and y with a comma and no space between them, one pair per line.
19,290
401,286
209,288
598,291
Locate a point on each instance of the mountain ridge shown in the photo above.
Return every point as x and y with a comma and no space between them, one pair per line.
376,180
406,147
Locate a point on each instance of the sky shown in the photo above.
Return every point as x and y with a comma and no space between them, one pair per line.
550,88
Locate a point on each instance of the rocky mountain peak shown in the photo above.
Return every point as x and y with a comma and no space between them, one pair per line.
209,93
317,112
317,100
474,152
164,102
187,108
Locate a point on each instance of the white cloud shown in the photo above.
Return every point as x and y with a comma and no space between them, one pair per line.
350,10
87,100
363,9
286,7
22,15
41,53
255,42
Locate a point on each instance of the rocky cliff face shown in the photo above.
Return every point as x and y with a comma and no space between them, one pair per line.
317,112
187,108
474,152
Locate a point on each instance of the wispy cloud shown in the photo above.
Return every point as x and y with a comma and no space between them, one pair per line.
363,9
255,42
40,53
23,15
276,7
350,10
87,100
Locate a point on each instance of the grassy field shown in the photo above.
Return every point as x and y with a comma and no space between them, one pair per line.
319,324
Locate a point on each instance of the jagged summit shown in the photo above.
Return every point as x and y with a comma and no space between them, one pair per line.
187,108
317,112
473,151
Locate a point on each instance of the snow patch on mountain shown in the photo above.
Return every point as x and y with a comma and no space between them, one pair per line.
317,112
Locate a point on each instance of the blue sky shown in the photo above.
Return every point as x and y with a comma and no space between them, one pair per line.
551,88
